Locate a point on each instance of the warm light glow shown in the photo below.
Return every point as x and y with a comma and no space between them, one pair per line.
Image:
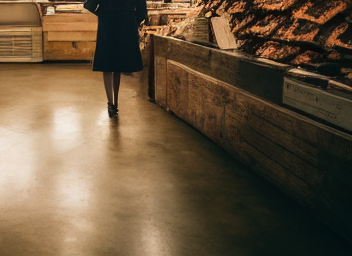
152,239
17,169
72,190
66,131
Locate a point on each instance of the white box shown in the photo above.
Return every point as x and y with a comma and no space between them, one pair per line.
319,103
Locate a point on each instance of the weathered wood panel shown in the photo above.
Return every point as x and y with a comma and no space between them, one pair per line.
177,92
69,36
68,50
70,22
160,80
21,44
309,161
259,77
213,102
70,17
78,26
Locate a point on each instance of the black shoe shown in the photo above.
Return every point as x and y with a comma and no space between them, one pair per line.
112,110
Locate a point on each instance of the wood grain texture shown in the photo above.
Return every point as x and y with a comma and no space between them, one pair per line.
309,161
160,81
21,44
233,68
74,26
68,50
69,18
67,36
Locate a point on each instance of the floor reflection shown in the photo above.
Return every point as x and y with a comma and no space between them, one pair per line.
72,190
17,167
67,129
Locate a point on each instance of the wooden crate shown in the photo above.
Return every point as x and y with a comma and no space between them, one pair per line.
234,101
69,36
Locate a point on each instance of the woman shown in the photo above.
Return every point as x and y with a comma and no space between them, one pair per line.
117,49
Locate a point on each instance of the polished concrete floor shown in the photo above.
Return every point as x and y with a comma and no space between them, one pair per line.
74,182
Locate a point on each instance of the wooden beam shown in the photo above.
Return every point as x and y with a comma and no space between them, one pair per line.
75,26
60,36
70,17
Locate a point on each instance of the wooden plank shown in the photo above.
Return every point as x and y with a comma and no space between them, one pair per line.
196,105
222,33
177,91
160,74
336,144
77,26
278,127
20,59
214,106
339,86
211,99
307,160
231,67
296,145
69,18
69,36
68,50
72,36
17,29
149,64
206,112
293,164
287,182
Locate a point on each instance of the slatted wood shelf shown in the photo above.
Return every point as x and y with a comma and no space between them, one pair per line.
21,44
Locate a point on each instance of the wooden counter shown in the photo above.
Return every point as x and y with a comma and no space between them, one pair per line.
69,36
238,103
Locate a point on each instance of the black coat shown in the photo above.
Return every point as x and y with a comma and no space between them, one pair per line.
117,48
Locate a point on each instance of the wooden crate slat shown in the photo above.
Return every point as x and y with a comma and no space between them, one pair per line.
77,26
69,18
59,36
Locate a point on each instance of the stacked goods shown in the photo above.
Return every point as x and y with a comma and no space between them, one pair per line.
306,33
299,31
170,19
341,36
274,5
277,51
264,27
307,57
319,12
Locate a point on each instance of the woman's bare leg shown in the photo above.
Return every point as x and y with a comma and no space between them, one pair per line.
108,83
116,85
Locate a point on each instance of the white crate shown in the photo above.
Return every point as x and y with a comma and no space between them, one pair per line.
319,103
